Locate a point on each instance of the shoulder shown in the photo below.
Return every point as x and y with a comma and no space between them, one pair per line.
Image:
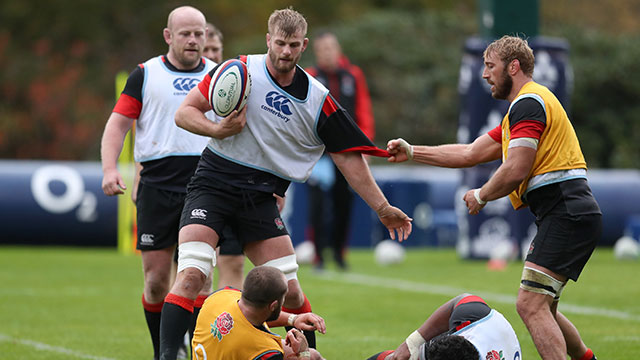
529,106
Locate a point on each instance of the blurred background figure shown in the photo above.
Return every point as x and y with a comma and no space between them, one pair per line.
213,47
330,197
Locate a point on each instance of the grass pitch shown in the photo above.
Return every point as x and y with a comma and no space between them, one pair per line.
69,303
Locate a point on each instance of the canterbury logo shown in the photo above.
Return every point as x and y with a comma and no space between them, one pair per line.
185,84
199,214
278,102
146,239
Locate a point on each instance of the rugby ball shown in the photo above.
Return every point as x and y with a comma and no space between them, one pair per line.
626,248
230,87
305,252
389,252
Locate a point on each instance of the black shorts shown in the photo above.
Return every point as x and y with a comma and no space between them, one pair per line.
251,215
564,243
569,224
158,217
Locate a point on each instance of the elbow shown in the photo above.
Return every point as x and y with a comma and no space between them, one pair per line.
179,118
518,175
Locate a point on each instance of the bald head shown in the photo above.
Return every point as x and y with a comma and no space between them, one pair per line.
185,34
183,14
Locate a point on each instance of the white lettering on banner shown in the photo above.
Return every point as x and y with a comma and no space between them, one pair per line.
73,195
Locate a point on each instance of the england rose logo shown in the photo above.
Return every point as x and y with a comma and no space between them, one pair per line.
494,355
222,326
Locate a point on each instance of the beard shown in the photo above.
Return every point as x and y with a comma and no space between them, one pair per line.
275,314
503,87
188,59
282,67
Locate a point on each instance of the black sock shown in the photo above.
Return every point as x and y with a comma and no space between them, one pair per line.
153,323
192,326
175,322
310,335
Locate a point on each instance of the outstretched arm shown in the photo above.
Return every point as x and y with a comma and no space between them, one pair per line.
483,149
436,324
357,172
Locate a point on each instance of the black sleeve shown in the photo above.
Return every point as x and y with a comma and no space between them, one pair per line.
337,130
527,109
467,312
275,355
133,87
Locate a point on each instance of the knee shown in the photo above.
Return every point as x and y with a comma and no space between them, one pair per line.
156,285
295,297
190,281
234,265
526,308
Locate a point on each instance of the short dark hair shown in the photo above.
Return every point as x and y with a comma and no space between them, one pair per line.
214,31
451,347
263,285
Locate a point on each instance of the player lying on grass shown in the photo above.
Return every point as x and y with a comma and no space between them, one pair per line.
463,328
232,324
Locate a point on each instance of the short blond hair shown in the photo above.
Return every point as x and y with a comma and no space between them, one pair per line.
287,22
509,48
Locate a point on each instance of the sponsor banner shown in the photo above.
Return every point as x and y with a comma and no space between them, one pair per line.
55,203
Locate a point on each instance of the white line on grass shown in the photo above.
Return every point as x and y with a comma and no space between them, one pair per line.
45,347
398,284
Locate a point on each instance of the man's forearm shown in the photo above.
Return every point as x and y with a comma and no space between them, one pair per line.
450,156
357,172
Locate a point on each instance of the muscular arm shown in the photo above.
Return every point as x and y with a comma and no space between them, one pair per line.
112,139
506,179
483,149
510,174
190,116
356,171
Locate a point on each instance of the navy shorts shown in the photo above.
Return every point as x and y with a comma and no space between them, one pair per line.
251,215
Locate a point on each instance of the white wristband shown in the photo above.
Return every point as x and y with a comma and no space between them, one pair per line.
291,319
304,354
476,194
413,343
407,148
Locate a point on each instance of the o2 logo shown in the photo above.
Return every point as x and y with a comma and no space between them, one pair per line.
73,196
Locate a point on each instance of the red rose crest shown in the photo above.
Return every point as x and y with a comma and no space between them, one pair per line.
494,355
279,223
222,326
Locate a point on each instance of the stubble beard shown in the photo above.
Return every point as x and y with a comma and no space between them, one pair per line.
503,87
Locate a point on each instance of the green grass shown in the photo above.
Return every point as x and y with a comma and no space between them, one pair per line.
68,303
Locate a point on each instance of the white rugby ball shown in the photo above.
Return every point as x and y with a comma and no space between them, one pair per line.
389,252
626,248
230,87
305,252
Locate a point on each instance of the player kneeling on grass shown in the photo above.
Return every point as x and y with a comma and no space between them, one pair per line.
463,328
233,324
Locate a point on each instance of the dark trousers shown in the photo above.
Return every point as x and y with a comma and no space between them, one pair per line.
330,216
